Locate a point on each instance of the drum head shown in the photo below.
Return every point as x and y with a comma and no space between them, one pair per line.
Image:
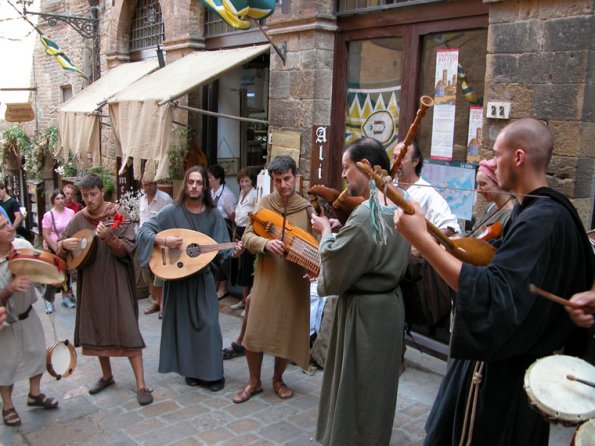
39,271
557,397
61,359
585,435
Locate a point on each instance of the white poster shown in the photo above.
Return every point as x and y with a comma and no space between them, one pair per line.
474,135
445,95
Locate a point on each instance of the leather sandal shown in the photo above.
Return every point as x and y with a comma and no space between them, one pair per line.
233,351
153,308
42,400
144,397
248,392
11,417
100,385
281,390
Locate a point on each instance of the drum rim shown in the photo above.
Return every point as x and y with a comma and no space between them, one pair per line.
73,359
546,410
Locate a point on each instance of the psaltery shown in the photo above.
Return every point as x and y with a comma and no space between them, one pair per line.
300,246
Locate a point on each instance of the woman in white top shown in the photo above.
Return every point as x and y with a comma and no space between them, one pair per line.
242,270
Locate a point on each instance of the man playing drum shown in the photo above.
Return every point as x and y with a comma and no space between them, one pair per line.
22,343
107,318
500,327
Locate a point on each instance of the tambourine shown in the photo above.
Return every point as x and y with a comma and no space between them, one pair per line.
39,266
61,359
557,398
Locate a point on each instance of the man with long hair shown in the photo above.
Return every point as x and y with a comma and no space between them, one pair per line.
191,339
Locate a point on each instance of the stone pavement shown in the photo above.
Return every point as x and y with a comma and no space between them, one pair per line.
187,416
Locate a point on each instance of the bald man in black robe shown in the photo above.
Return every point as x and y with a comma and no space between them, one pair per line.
497,320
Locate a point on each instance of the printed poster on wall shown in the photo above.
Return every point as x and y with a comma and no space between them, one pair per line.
474,135
445,95
455,181
373,113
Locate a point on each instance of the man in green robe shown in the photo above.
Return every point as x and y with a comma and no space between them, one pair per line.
359,388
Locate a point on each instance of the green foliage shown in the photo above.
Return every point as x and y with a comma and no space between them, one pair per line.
178,150
15,140
106,176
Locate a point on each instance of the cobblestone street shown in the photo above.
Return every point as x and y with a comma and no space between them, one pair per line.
185,416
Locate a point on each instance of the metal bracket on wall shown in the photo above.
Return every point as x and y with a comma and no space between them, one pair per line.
280,50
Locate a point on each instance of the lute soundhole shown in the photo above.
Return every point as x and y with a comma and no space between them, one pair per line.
193,250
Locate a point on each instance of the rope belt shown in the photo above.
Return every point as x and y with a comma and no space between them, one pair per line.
469,419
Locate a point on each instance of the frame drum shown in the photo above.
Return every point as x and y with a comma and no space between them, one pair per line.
585,435
61,359
39,266
556,397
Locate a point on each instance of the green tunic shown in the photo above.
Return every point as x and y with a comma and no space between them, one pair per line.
359,388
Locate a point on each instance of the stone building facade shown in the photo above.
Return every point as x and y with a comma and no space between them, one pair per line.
535,55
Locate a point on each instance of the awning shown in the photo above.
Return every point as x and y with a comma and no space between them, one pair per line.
141,114
78,124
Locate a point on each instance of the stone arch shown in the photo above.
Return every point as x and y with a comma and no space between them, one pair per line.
183,22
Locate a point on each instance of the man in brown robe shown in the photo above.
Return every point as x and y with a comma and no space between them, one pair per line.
107,311
278,312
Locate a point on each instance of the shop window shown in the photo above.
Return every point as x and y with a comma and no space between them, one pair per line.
467,86
147,28
254,89
374,90
351,6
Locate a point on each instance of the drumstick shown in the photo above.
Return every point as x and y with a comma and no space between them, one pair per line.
553,297
582,381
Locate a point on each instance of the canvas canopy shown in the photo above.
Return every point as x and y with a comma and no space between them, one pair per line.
142,113
78,124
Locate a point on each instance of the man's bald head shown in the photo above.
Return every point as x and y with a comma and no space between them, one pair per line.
534,137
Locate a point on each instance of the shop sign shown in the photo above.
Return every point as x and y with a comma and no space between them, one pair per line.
19,112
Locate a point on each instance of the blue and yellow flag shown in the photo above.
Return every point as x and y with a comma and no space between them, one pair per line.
53,49
238,12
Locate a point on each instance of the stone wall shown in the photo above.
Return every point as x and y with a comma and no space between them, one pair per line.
300,90
541,59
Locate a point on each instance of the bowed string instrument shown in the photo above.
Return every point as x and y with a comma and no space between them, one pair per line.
469,250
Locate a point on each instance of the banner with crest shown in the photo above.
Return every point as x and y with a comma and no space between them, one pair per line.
373,113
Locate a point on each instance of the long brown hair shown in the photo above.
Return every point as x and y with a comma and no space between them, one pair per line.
207,199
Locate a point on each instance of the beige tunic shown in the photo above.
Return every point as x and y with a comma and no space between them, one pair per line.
22,344
279,316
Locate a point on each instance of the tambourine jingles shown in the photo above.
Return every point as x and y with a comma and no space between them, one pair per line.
39,266
61,359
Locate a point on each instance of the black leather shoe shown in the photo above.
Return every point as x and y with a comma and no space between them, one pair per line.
192,381
216,386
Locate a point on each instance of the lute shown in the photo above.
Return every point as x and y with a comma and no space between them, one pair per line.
196,252
80,256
